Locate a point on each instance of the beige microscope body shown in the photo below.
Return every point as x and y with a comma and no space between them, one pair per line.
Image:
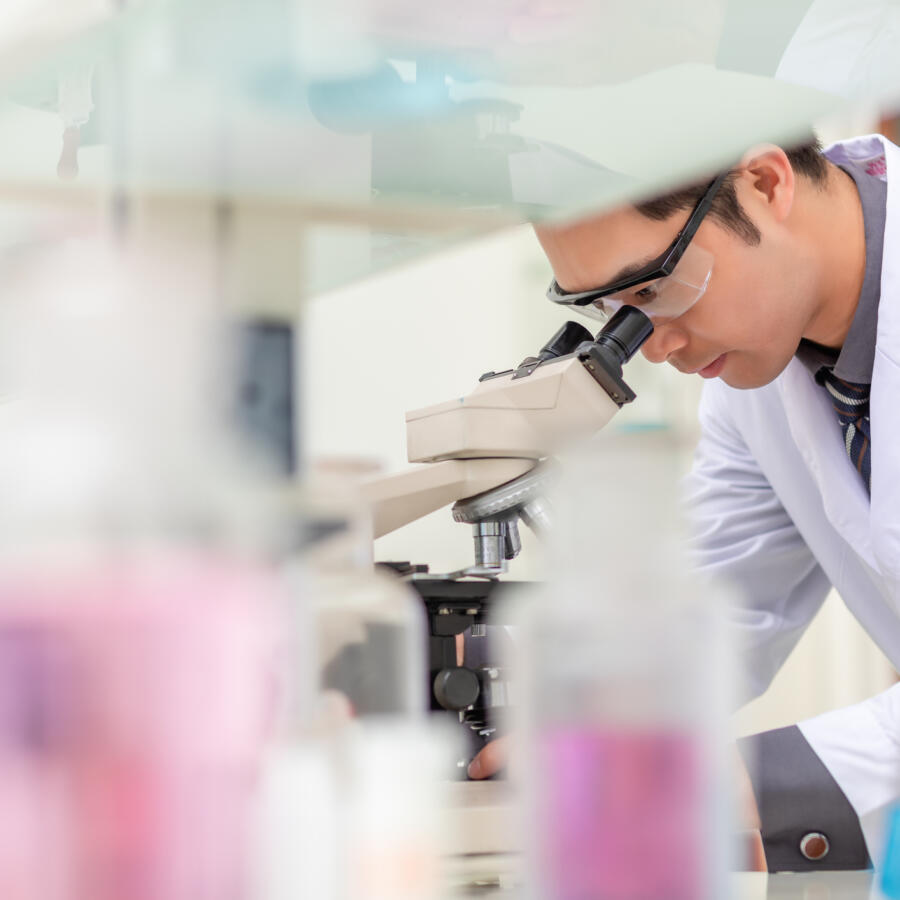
482,451
493,435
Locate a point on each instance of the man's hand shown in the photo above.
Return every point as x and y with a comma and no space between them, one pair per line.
491,759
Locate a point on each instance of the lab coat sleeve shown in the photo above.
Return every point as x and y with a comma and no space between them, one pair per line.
798,800
860,747
743,536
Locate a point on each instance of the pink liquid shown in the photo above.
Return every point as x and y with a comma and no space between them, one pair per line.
134,700
621,815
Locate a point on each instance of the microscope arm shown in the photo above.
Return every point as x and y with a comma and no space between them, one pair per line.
396,500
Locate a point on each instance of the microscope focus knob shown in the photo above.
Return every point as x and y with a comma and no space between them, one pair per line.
456,688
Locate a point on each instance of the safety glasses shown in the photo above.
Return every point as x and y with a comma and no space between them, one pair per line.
663,289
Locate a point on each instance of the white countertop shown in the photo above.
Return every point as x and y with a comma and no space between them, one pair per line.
807,886
754,886
746,886
484,844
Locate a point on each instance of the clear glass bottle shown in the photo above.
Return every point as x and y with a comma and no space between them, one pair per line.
623,680
349,783
395,814
137,621
369,628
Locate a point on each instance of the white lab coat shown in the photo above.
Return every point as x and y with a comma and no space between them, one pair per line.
778,508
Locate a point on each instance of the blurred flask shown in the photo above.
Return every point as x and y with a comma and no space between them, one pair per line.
370,630
357,810
301,807
137,625
396,825
133,703
350,787
622,676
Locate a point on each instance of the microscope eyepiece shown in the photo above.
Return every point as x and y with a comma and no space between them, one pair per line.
614,345
565,341
602,356
624,333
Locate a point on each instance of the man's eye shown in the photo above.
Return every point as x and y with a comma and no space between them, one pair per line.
646,293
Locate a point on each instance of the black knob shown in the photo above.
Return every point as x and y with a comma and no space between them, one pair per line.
456,688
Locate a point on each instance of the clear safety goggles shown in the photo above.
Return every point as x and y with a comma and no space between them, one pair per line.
666,287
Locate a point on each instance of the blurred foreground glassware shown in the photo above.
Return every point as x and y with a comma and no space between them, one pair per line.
357,811
396,820
369,628
623,682
133,701
138,623
352,801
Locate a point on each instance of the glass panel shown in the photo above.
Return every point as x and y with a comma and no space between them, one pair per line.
427,123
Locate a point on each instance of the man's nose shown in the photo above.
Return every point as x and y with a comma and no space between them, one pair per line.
665,340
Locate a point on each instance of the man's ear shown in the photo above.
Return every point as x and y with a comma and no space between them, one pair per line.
769,181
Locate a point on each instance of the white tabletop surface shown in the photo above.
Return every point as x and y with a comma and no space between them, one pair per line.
806,886
482,814
753,886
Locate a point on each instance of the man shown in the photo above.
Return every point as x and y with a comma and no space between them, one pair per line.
776,283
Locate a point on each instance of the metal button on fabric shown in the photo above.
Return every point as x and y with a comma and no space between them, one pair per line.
814,846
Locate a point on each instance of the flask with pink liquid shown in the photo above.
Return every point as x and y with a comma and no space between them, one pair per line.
137,620
623,676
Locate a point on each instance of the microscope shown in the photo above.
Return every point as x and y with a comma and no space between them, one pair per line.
489,454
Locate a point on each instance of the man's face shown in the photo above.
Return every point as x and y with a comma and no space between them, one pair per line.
747,325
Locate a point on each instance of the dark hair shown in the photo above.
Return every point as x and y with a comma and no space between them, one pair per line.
806,160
